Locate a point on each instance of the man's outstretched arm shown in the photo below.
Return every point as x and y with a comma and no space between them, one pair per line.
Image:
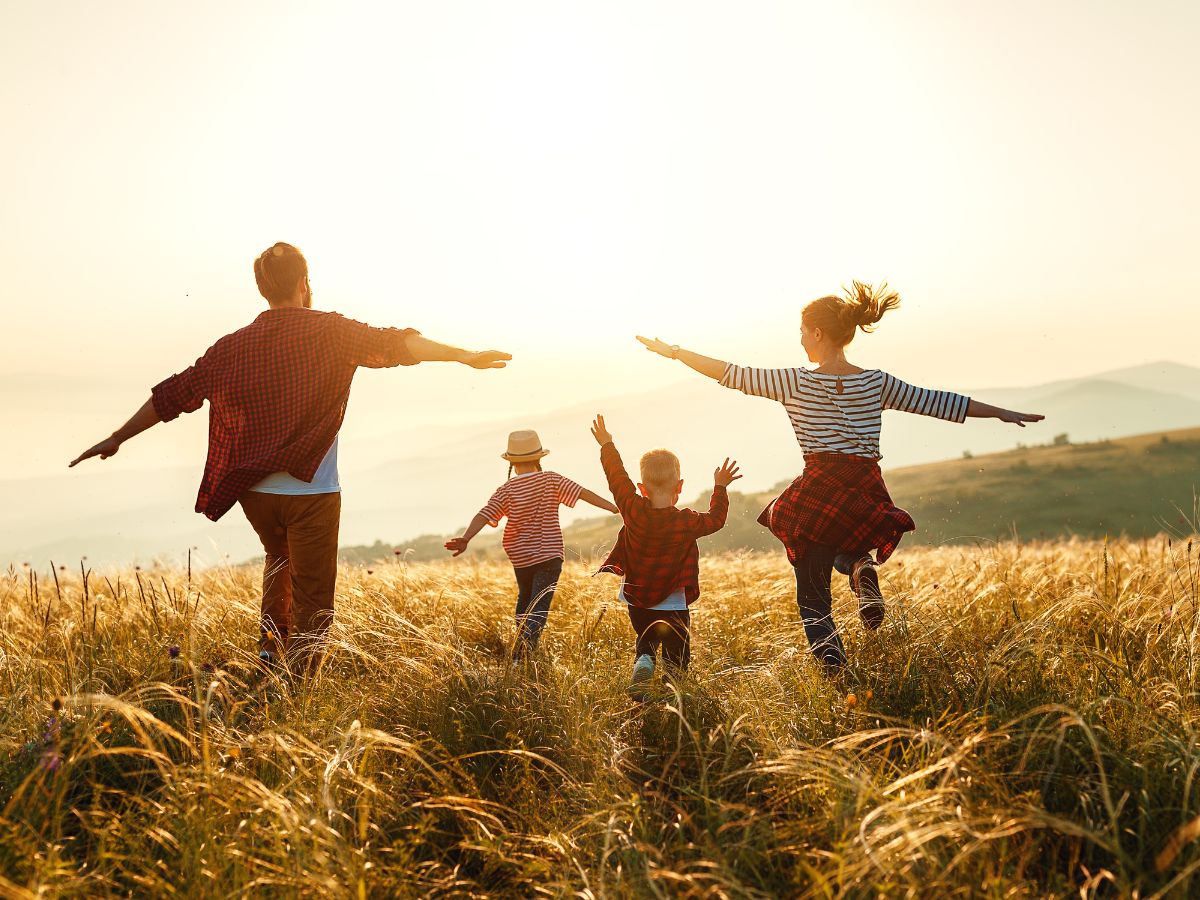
141,420
425,350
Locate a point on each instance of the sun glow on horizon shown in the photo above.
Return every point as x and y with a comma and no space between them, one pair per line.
551,180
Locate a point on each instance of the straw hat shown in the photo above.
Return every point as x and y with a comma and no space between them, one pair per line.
524,446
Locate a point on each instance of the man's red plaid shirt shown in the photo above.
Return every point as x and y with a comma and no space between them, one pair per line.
656,548
277,392
839,501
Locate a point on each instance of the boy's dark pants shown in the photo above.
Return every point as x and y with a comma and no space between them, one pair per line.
535,590
669,629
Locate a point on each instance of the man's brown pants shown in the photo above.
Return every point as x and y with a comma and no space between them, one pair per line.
300,536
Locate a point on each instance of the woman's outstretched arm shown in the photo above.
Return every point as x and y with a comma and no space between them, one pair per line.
977,410
705,365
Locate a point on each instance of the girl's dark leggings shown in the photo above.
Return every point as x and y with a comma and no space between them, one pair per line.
535,590
813,596
669,629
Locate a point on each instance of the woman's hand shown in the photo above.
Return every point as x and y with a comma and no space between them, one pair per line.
977,409
705,365
654,345
1018,418
600,432
727,474
106,448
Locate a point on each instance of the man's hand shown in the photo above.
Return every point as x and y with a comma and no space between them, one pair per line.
106,448
458,544
599,432
727,474
486,359
654,345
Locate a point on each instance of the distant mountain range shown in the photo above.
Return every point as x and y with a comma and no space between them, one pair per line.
432,481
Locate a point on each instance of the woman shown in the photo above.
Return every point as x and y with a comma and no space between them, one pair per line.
838,511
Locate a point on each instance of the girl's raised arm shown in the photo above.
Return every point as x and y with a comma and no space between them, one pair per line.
705,365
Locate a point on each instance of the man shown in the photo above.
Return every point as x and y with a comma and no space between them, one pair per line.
277,392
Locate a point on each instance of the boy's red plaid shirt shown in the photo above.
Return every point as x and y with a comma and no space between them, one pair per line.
277,391
656,548
839,501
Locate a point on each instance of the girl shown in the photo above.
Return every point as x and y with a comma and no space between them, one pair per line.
532,536
839,509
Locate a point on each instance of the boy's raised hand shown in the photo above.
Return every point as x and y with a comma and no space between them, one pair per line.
727,474
458,545
599,432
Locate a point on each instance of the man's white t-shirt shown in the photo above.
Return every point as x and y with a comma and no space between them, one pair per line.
325,481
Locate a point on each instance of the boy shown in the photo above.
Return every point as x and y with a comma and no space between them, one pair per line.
656,552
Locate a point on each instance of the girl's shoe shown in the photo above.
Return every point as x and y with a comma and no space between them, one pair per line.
643,671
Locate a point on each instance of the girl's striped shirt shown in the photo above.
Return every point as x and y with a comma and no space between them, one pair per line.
828,422
532,534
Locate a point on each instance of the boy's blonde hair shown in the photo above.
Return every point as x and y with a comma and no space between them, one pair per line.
660,469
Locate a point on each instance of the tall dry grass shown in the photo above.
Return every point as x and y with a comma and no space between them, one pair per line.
1023,725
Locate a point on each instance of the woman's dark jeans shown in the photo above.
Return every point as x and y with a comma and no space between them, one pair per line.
535,590
813,596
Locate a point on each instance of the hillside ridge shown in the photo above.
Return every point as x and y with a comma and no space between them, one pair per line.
1134,486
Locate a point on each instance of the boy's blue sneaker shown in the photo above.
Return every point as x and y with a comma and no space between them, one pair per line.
643,671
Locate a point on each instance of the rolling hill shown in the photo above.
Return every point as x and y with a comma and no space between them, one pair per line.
1136,486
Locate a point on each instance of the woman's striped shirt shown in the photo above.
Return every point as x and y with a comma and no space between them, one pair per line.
826,421
532,533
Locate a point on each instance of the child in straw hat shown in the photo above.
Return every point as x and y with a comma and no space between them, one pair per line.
532,535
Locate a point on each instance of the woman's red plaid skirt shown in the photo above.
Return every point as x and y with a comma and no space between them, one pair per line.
839,501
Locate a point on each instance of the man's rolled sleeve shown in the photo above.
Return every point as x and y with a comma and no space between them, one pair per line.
375,348
180,393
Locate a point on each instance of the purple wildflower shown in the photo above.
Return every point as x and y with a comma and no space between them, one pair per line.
52,760
173,651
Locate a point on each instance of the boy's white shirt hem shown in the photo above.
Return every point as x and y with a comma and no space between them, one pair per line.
674,603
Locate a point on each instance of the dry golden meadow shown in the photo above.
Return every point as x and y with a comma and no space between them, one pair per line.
1025,724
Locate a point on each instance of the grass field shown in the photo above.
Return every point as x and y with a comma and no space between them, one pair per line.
1025,724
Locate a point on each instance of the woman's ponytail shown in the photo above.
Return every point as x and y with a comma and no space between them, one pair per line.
867,304
862,307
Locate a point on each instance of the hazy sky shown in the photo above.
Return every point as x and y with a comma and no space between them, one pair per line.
551,178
